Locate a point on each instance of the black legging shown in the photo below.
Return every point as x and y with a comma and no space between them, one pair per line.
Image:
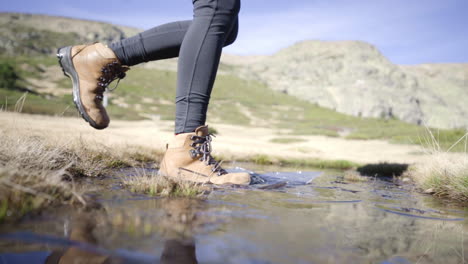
198,44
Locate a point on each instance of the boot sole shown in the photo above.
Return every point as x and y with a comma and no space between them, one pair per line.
66,63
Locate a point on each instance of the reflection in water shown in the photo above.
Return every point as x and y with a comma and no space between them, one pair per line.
323,221
176,251
181,216
177,223
81,231
418,213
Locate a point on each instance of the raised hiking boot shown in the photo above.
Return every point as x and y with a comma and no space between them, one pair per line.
188,157
91,68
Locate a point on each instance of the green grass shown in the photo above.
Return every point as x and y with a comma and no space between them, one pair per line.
399,132
233,101
32,40
302,163
33,63
319,163
31,67
287,140
8,75
37,104
3,209
23,68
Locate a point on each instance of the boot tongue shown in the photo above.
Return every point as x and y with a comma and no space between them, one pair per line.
202,131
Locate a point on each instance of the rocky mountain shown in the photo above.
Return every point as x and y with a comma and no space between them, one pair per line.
39,34
350,77
353,77
443,92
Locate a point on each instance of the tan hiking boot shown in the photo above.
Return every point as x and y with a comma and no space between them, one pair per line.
188,157
92,68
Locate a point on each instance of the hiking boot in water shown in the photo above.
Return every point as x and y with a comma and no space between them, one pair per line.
188,157
92,68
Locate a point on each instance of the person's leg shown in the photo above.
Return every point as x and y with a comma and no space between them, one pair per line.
161,42
93,67
158,43
199,59
188,155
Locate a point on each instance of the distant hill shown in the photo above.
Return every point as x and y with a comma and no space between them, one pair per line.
350,77
353,77
41,34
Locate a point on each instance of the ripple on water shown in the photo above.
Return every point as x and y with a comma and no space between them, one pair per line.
292,220
418,213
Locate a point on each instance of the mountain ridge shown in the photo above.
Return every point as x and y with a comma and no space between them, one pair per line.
351,77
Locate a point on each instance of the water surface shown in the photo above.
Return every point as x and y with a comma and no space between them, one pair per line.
305,217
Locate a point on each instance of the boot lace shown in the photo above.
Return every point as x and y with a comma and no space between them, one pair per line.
202,148
110,72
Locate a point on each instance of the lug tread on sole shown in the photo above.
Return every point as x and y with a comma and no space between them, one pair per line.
60,56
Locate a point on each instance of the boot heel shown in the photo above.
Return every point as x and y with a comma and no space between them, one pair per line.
61,56
65,61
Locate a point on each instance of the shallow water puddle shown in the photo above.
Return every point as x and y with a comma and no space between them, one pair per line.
286,217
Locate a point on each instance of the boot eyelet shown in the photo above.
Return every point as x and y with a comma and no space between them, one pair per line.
193,153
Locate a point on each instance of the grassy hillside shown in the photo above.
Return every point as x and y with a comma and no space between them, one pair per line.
149,93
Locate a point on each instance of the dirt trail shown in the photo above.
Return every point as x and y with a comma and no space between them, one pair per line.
231,141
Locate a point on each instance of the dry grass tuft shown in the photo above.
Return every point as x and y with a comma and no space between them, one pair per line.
39,168
444,174
157,185
354,176
96,159
33,175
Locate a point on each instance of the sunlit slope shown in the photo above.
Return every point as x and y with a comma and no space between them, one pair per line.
303,89
149,93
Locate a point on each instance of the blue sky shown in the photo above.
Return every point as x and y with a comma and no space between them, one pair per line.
405,31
